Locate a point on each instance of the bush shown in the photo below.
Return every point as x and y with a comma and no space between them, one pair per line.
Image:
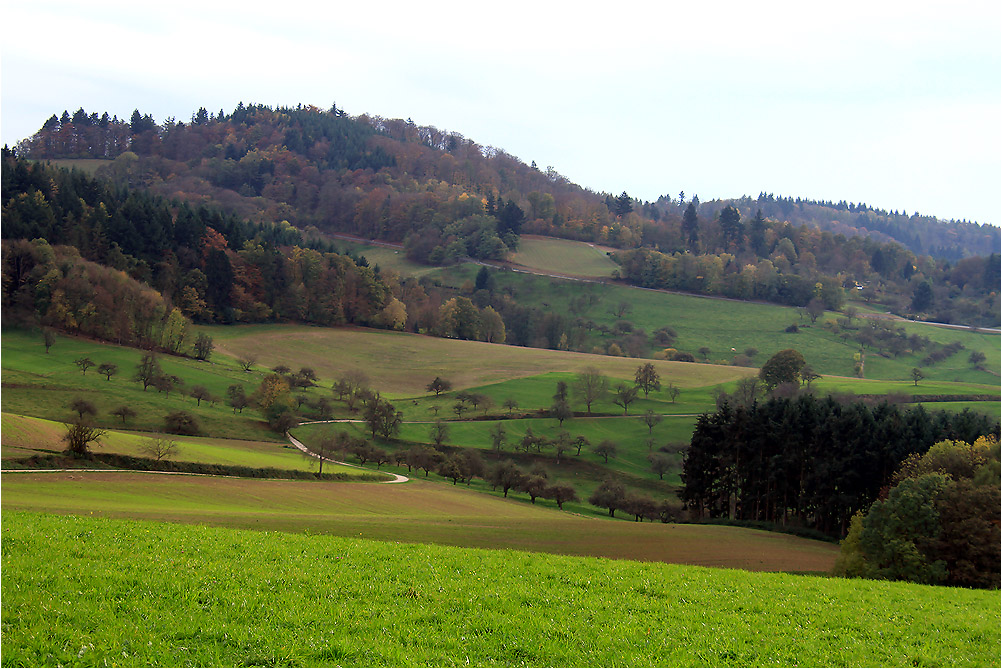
181,422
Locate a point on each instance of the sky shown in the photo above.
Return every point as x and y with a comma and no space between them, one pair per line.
898,105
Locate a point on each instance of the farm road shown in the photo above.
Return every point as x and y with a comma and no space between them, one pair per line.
397,478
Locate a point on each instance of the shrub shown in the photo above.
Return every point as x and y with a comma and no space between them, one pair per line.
181,422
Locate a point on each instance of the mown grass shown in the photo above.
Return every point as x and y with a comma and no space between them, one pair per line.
562,256
88,592
386,258
402,364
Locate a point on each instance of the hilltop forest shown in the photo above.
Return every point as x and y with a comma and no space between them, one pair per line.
229,218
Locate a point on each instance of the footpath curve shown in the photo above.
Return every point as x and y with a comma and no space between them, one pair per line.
397,478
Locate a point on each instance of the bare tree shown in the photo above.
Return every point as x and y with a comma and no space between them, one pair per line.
247,361
84,363
651,419
624,396
439,432
561,493
498,435
660,464
607,449
48,338
200,393
591,385
439,385
202,348
159,448
80,434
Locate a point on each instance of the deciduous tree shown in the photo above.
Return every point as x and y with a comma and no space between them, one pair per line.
505,475
124,412
784,367
607,449
624,396
203,346
609,495
591,385
148,370
647,378
159,448
439,385
80,434
438,433
560,493
82,406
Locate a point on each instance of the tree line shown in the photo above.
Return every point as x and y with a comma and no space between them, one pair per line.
808,461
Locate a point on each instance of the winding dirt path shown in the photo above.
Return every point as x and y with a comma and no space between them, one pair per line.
397,478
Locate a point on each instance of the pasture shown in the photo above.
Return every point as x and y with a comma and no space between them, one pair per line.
562,256
142,593
400,364
729,327
40,384
24,437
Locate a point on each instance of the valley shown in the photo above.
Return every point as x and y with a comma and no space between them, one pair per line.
606,461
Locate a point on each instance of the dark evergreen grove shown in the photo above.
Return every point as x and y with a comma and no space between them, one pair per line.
806,461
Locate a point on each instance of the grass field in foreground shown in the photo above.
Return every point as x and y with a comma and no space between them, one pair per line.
414,512
91,592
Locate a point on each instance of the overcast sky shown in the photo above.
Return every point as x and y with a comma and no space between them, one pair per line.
896,104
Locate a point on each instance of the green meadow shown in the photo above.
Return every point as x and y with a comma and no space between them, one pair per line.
90,592
40,384
562,256
729,327
24,437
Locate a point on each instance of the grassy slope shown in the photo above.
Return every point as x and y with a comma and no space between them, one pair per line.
721,325
43,385
137,593
24,436
562,256
402,364
415,512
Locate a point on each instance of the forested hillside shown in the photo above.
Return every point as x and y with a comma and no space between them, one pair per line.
922,235
446,197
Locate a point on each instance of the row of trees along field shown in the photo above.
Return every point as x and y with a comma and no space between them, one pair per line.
447,197
808,461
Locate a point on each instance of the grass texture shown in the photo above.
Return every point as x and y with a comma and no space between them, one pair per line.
91,592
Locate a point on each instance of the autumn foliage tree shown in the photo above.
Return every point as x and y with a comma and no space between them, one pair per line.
937,525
